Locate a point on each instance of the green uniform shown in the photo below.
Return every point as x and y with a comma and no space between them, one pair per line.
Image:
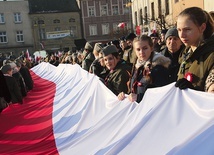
117,80
198,63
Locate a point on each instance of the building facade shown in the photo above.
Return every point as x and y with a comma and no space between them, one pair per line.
56,24
162,14
15,27
102,17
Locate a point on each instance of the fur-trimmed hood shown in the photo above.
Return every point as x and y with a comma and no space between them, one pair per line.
159,59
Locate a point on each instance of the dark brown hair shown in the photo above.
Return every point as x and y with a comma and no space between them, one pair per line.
199,16
143,38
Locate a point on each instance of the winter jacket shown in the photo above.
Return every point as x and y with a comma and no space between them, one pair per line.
152,74
198,64
117,79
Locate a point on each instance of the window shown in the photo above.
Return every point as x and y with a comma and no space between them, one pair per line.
2,18
19,36
105,29
73,31
153,11
56,21
116,28
167,7
3,37
91,11
145,15
159,8
71,20
41,22
93,30
126,9
115,10
141,17
103,10
42,33
17,17
126,6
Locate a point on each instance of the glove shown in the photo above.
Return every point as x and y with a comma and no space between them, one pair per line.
183,84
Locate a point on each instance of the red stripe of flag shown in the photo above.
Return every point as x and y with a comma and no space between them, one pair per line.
27,128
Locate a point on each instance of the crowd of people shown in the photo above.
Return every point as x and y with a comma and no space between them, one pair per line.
184,54
15,82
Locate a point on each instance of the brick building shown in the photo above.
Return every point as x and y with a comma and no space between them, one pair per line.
101,19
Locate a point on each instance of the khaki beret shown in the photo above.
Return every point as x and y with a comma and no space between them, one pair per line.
109,50
98,47
89,46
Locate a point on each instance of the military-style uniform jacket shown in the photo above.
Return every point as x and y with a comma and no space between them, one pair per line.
151,74
97,69
117,79
197,64
87,61
129,55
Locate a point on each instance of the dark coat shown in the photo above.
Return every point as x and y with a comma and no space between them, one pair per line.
159,76
117,79
27,77
198,63
97,69
87,61
15,92
174,66
21,83
4,91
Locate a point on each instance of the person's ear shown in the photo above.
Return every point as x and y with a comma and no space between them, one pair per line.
203,27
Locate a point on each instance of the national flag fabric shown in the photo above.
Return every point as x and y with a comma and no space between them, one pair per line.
42,45
28,57
138,30
60,53
121,25
154,28
70,111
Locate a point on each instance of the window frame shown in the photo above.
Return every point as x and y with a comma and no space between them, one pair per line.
56,21
42,33
2,19
74,31
3,37
113,10
91,11
17,17
72,20
91,31
19,36
105,28
106,11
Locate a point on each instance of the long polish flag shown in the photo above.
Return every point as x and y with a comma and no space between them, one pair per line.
71,112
